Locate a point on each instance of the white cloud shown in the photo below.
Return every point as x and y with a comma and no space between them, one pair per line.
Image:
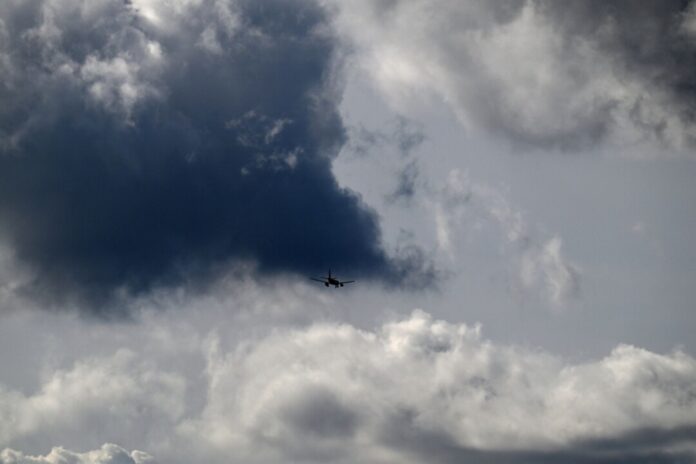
119,395
546,266
107,454
332,389
169,17
114,82
335,393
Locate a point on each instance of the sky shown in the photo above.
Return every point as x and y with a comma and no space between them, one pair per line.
509,183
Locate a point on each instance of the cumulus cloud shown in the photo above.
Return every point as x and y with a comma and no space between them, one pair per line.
333,392
145,143
413,389
118,396
107,454
538,73
539,264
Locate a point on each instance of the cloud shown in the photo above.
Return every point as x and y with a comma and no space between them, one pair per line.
649,46
107,454
412,389
402,133
149,143
420,387
547,266
406,183
537,73
118,395
540,266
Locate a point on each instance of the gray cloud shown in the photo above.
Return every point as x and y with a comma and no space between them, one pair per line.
144,145
406,183
402,133
538,73
409,135
651,44
318,412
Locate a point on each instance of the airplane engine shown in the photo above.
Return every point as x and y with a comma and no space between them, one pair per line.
341,285
326,284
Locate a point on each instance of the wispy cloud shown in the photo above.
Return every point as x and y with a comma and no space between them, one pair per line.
536,257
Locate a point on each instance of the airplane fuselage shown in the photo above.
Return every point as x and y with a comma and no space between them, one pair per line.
331,280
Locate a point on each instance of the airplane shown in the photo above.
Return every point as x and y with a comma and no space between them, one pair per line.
332,280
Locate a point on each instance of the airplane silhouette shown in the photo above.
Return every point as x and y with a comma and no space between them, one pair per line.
332,280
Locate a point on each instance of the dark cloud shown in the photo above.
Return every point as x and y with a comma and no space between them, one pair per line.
319,413
430,445
132,156
402,432
644,440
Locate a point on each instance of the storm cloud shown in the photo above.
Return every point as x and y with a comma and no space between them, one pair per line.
143,143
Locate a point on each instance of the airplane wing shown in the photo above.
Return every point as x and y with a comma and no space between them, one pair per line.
318,280
347,281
